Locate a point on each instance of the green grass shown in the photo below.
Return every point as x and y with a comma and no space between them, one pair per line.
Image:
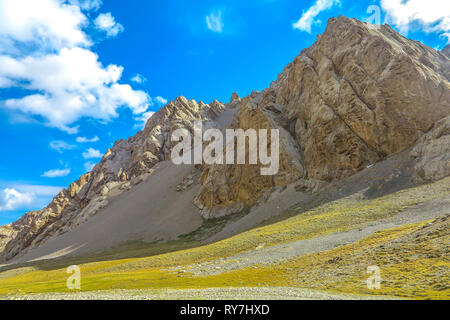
152,271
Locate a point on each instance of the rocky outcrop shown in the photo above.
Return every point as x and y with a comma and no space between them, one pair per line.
228,189
360,93
125,164
235,101
6,233
433,153
446,50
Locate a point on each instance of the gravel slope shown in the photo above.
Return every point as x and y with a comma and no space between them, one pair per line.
265,256
151,211
270,293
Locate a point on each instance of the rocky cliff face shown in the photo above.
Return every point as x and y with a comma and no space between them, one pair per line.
446,50
433,153
358,95
231,188
6,233
361,93
124,165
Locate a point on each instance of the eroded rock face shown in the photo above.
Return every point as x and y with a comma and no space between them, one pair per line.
433,153
359,94
125,164
446,50
228,189
235,101
6,233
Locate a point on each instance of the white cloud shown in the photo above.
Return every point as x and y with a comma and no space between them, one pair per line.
431,15
5,83
29,197
87,5
47,22
75,85
44,50
139,78
17,117
88,166
61,146
92,154
214,22
56,173
143,118
11,199
446,35
161,100
87,140
309,17
107,23
38,190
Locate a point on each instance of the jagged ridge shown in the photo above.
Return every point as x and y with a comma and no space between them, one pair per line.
359,94
127,163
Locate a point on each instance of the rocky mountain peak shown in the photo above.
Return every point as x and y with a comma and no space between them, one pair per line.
359,94
126,164
235,97
345,103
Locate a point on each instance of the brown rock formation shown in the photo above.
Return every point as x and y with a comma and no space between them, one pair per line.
6,233
124,164
241,186
433,153
446,50
360,93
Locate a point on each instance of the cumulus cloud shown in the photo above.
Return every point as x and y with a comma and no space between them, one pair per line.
61,146
38,190
161,100
92,154
48,23
87,5
214,22
142,119
88,166
56,173
139,78
309,16
11,199
44,50
431,15
75,85
106,22
446,35
87,140
29,197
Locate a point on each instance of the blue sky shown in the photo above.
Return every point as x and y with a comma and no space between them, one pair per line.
76,75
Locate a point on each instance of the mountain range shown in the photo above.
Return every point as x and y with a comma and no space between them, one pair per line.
363,115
